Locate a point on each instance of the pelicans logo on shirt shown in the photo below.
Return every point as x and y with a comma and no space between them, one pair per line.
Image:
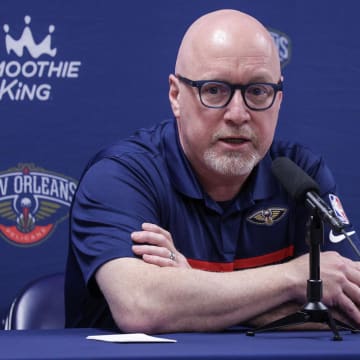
268,216
32,202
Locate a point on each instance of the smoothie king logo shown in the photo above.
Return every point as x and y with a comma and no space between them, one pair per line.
28,75
283,44
32,202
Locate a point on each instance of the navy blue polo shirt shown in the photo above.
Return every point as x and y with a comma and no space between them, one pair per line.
147,178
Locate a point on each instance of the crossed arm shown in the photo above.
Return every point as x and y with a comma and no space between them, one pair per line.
157,294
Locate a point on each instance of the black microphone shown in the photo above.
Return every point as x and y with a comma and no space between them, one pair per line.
304,188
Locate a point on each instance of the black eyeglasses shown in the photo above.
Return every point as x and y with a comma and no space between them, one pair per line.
217,94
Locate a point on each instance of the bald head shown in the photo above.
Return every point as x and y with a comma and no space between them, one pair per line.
226,34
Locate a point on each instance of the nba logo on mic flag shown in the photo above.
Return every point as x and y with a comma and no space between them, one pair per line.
338,209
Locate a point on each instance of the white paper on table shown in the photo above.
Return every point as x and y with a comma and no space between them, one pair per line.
129,338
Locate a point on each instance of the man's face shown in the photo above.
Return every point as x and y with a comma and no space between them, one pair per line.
229,141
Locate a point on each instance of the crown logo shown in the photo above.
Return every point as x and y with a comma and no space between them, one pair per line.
27,41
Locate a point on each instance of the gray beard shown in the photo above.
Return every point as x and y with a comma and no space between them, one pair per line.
231,163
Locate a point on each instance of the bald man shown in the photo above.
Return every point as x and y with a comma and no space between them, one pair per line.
182,227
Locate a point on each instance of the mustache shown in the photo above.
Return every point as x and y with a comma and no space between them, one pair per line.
241,134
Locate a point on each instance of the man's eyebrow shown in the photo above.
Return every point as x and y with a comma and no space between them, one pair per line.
260,79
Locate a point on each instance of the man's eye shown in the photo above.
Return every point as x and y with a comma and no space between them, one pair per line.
211,89
259,90
215,89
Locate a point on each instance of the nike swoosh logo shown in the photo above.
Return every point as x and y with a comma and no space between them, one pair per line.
338,238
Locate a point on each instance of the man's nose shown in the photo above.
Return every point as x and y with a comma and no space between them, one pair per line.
237,110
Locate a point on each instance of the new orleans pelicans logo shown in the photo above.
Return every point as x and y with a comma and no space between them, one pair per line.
267,216
32,202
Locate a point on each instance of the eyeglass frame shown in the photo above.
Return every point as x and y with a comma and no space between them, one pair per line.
233,87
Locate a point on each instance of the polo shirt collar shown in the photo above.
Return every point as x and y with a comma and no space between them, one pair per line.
259,186
181,174
264,183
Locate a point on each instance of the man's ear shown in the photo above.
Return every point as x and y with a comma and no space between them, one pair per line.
174,94
281,93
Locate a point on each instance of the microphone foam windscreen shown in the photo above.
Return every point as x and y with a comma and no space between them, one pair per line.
294,179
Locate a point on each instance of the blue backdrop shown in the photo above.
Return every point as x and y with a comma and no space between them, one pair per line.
76,75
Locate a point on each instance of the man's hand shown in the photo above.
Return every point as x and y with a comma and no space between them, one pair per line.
341,283
157,247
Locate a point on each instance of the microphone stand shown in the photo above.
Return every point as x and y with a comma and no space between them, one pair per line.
314,310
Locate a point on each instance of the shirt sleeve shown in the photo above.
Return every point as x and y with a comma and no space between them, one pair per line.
113,199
